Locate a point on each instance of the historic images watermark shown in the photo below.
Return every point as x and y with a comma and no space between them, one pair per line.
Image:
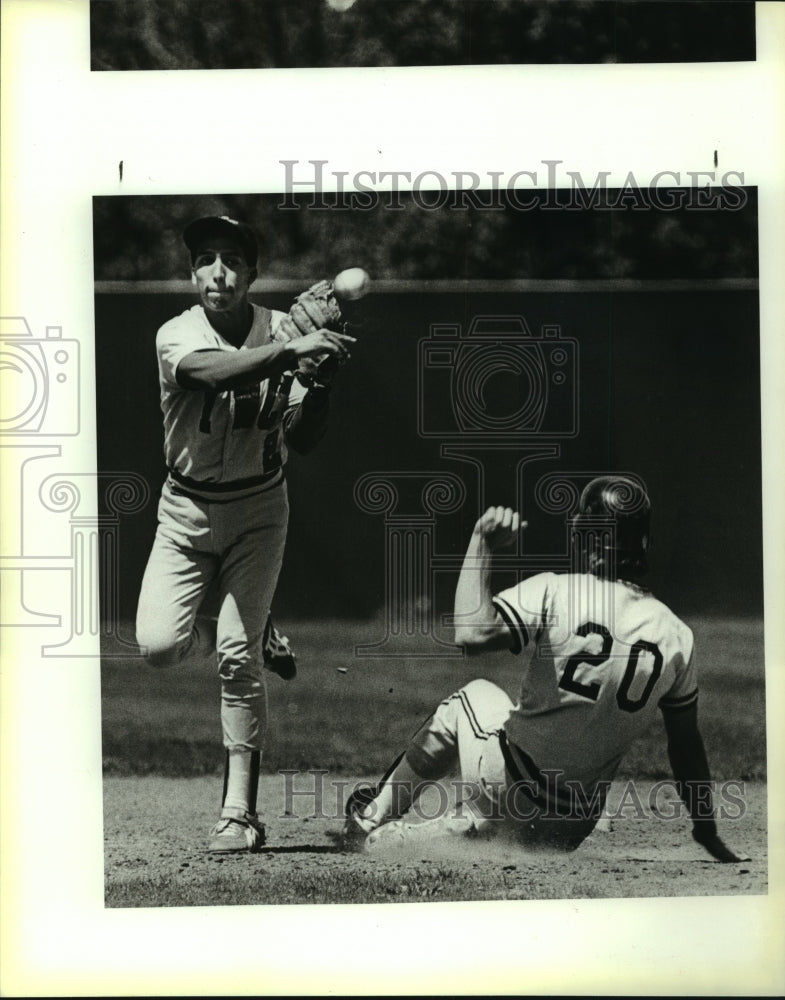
315,794
41,406
44,397
550,186
457,408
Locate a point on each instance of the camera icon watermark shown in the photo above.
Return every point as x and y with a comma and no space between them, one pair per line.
498,380
40,381
79,567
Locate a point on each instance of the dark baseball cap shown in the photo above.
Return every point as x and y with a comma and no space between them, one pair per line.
221,225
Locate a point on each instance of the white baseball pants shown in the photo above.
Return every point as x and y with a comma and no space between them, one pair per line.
239,545
464,730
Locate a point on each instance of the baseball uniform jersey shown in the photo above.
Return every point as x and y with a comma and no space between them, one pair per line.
226,444
604,655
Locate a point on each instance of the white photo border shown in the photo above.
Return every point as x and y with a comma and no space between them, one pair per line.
65,131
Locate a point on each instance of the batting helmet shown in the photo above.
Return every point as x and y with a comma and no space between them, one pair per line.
610,533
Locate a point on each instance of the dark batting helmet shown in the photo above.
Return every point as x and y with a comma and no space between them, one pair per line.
610,532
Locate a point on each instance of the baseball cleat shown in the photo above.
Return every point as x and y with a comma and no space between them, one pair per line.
399,833
277,653
356,828
236,831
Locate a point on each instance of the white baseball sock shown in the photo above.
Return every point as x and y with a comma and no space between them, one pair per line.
241,780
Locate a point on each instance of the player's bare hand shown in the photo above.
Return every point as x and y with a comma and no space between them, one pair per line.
714,844
322,342
499,526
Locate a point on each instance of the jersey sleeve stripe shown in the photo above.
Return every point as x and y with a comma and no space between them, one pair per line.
514,622
678,704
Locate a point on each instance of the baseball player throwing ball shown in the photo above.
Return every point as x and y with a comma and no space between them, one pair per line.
599,656
238,384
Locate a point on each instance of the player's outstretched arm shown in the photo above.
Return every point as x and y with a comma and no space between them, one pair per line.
690,767
219,370
478,626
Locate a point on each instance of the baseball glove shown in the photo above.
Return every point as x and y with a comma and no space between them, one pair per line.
315,309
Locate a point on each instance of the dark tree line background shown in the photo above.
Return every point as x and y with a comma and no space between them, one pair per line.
138,238
245,34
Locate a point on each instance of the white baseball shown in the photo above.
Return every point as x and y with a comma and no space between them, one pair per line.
351,284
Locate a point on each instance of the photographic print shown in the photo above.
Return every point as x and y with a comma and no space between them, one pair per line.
551,341
551,302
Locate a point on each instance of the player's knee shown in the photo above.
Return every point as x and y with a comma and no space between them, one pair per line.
241,674
241,663
484,701
482,688
158,650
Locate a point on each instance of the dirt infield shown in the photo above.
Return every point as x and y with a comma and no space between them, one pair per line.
155,830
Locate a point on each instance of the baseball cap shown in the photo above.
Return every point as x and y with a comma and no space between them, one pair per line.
221,225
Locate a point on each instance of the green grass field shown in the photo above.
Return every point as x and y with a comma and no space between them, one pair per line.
167,721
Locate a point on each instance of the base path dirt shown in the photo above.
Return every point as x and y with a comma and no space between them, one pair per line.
156,831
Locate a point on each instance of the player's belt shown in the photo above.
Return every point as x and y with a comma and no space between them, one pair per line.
235,489
547,795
